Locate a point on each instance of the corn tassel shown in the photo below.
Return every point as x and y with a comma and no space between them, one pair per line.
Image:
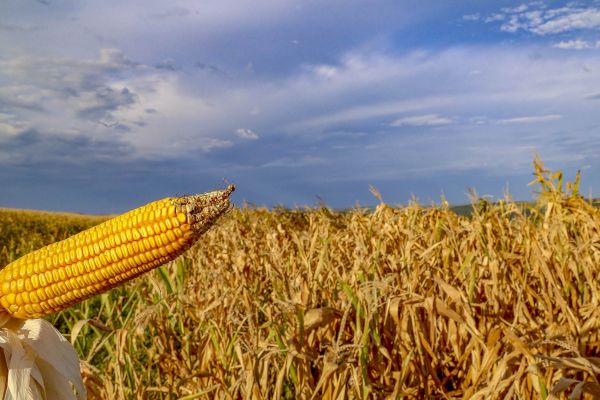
94,261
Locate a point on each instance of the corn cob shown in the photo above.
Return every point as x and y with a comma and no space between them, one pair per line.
94,261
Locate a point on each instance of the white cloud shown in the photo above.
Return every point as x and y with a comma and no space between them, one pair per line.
68,84
573,19
207,144
13,128
198,143
494,17
508,78
535,17
471,17
552,21
89,99
429,119
326,71
246,134
513,24
573,44
192,114
518,9
25,97
528,120
194,121
65,73
480,120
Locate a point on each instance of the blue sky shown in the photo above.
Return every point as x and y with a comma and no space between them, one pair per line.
108,105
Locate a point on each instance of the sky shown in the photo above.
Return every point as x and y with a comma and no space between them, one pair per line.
108,105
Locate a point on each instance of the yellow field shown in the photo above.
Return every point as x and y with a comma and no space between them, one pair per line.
406,302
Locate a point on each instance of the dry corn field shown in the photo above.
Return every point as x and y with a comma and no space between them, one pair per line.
403,302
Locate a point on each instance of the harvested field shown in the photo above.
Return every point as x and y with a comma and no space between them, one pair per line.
399,303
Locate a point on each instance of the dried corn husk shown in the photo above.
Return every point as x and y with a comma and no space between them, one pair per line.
37,362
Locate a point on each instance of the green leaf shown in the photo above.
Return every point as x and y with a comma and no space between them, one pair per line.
181,269
164,275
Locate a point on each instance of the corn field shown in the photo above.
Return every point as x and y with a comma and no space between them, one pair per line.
24,231
404,302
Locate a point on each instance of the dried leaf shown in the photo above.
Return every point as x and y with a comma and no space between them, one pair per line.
79,325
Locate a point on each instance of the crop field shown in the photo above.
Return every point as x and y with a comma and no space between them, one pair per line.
401,302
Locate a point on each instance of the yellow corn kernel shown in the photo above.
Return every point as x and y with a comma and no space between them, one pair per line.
5,287
11,298
59,275
4,302
170,236
41,294
102,261
186,227
54,289
49,278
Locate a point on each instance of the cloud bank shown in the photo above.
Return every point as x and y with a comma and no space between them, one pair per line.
291,99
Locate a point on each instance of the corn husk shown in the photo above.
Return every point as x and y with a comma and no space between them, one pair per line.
37,362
